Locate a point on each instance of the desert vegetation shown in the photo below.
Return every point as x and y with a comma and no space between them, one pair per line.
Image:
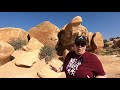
47,53
110,48
17,44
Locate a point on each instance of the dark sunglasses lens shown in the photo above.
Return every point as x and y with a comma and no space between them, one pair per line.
80,44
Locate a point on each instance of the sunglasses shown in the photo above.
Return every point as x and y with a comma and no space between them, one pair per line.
80,44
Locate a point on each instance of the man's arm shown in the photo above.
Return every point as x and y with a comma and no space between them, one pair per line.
100,76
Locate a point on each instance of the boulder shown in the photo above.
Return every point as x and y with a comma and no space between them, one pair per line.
56,64
97,42
69,32
45,33
33,44
47,72
6,51
27,59
116,42
8,34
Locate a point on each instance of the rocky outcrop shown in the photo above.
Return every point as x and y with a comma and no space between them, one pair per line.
39,69
110,43
65,53
10,70
33,44
97,42
46,33
76,20
9,34
90,35
69,32
116,42
56,63
27,59
47,72
6,51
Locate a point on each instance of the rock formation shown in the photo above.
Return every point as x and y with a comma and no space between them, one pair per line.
9,34
69,32
45,33
6,51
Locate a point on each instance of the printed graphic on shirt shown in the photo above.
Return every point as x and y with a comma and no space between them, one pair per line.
73,66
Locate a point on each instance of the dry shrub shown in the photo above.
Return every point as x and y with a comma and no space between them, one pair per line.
47,53
18,44
112,51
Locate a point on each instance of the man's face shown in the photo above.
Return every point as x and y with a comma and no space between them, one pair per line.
80,48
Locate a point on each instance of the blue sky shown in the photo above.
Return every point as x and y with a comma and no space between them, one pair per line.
108,23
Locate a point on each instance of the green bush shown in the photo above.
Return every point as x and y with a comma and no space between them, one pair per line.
18,44
47,53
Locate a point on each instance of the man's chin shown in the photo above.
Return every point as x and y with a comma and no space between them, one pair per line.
79,52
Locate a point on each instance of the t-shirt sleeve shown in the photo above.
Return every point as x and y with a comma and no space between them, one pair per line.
97,67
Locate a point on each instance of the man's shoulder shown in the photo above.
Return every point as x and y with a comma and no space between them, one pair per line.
89,54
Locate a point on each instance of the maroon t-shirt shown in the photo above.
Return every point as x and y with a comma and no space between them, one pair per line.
87,65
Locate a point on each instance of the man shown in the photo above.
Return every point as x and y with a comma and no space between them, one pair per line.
82,64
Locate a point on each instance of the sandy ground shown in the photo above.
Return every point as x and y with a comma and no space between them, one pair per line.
111,65
10,70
